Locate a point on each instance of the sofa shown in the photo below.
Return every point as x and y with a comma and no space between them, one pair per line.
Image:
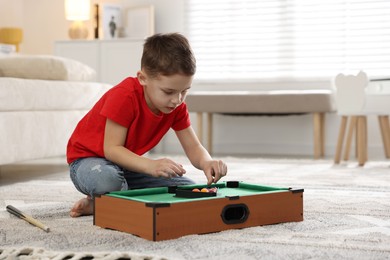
42,98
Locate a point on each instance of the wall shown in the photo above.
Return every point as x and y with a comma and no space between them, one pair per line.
11,13
43,23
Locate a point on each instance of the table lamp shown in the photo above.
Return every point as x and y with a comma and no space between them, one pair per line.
77,11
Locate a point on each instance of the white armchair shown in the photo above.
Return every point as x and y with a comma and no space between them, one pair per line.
356,98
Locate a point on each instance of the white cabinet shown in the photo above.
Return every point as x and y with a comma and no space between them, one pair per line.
113,60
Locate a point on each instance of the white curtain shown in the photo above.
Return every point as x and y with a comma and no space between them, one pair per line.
294,39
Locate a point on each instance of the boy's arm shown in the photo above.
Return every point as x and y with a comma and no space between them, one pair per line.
199,156
115,151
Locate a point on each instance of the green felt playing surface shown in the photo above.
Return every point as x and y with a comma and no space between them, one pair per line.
162,195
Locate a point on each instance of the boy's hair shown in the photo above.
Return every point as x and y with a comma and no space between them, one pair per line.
168,54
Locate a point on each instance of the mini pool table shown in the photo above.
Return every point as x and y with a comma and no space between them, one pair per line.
171,212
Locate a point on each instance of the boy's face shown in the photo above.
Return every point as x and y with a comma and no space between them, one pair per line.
164,93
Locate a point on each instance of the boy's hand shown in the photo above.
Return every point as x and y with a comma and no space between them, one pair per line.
214,170
166,168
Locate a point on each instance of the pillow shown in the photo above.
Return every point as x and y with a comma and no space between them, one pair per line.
6,49
45,67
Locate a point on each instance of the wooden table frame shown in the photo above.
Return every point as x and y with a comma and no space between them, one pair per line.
318,132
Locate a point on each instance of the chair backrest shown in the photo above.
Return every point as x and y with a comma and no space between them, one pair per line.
11,36
350,93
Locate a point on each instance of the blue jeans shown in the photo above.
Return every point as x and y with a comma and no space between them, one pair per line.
96,176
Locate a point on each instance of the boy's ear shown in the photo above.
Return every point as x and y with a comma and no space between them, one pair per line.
141,77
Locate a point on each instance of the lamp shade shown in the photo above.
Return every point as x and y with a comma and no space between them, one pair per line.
77,10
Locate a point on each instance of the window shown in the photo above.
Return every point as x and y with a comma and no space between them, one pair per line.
289,39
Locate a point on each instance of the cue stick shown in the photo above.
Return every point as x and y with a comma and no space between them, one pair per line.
29,219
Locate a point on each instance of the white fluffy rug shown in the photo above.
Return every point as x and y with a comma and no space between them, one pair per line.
346,216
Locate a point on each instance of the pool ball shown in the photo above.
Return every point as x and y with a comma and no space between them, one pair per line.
213,189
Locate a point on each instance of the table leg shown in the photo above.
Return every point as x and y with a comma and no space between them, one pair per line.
322,134
210,132
318,127
199,120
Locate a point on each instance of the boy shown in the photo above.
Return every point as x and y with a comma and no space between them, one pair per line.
105,150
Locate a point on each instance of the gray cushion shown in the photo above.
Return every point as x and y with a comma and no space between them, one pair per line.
262,102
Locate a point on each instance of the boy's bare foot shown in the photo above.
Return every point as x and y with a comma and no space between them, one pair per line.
83,207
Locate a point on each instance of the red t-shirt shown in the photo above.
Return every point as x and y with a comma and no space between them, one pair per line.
124,104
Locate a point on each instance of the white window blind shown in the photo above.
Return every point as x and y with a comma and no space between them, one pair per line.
262,39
